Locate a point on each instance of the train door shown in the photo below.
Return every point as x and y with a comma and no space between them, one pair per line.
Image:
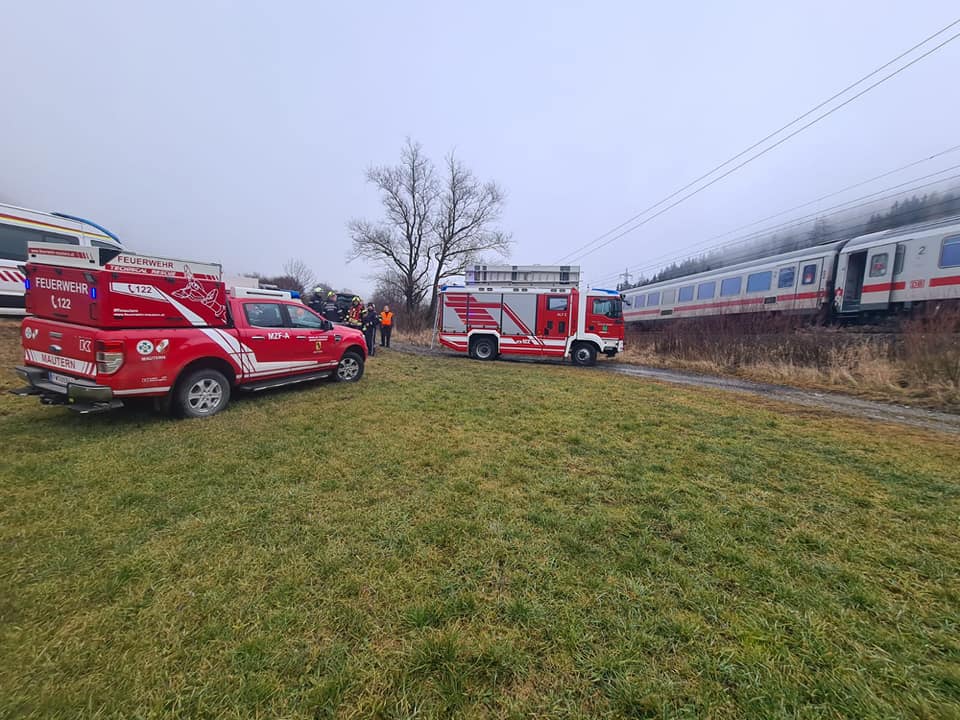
852,281
786,279
878,283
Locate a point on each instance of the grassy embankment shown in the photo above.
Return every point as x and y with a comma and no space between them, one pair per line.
484,539
918,366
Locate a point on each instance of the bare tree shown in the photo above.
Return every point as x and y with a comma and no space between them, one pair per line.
463,226
401,241
298,271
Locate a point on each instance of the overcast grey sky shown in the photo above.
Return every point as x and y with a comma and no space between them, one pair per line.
239,132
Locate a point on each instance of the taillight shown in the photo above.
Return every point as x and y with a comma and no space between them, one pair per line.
109,356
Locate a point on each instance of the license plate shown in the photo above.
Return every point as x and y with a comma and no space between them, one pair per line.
60,379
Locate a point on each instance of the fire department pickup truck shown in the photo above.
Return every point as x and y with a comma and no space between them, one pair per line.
105,325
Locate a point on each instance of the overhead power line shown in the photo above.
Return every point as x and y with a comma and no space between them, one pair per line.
836,208
685,252
829,237
862,201
582,251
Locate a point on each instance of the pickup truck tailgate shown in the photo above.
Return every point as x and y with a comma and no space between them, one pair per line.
61,347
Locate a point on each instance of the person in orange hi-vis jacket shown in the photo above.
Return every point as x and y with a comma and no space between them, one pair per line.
386,326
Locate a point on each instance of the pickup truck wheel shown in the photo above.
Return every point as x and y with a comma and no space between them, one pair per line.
350,368
202,393
584,354
484,348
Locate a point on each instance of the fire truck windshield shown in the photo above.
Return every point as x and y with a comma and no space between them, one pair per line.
611,307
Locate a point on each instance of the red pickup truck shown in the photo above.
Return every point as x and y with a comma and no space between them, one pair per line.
104,326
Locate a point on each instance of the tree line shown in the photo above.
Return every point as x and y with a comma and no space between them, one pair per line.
907,211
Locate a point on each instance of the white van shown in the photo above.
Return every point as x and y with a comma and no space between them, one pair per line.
19,226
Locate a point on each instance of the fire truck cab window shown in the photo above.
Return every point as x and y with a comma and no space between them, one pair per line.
950,252
556,303
267,315
878,266
301,317
607,306
809,274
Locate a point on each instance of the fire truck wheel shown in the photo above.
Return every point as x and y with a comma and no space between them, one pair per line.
350,368
484,348
202,393
584,354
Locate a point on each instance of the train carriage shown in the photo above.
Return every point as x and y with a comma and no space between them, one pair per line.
897,268
870,274
797,282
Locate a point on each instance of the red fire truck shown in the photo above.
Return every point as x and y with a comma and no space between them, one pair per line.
531,320
105,325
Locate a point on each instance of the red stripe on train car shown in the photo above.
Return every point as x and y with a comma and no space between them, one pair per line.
884,287
732,303
941,282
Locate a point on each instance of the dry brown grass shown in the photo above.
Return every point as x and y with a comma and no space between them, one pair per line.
420,338
920,365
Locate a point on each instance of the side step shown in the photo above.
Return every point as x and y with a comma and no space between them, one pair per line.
280,382
93,408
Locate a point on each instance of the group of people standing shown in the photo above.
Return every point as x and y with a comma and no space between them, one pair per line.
365,318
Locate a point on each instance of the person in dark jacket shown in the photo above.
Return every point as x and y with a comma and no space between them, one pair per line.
316,300
331,311
370,321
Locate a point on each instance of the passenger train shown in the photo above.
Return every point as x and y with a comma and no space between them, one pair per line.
19,226
873,274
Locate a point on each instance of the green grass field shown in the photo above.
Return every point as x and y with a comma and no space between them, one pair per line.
459,539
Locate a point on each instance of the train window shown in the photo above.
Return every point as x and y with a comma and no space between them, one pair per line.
878,265
809,274
653,299
686,293
950,252
639,300
787,277
669,297
556,303
706,290
759,282
731,286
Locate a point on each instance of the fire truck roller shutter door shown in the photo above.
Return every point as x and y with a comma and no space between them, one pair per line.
519,314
